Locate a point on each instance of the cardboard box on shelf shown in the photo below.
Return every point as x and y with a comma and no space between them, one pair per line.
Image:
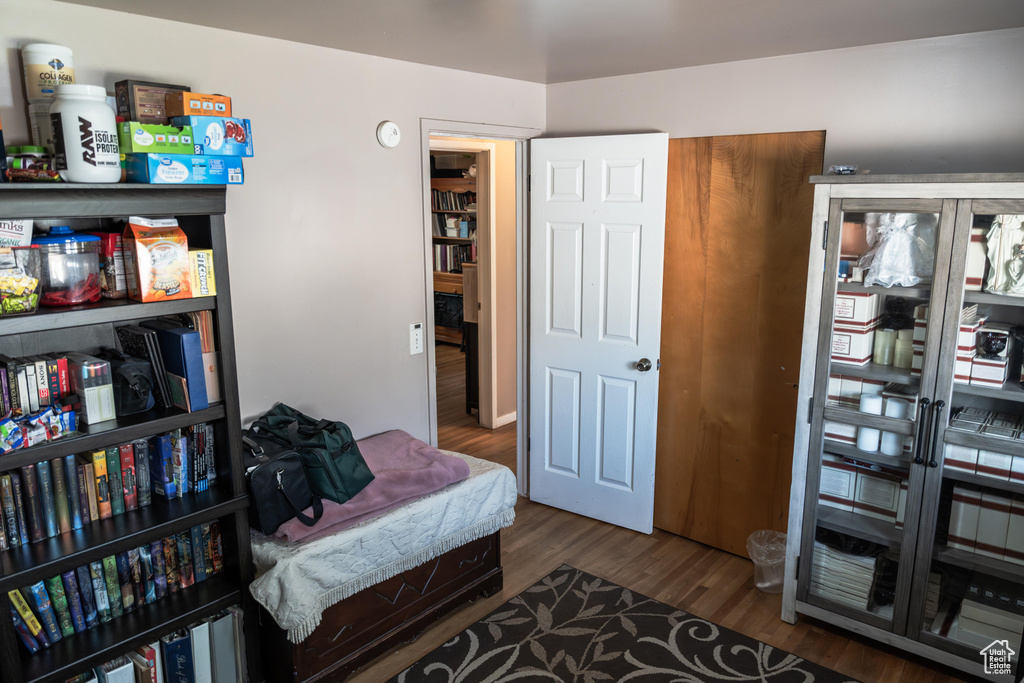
988,371
835,388
963,518
993,464
852,346
201,273
849,391
857,310
143,101
917,363
156,259
219,135
841,432
977,260
183,169
877,496
197,104
993,523
960,458
838,483
143,138
962,369
1014,551
1017,467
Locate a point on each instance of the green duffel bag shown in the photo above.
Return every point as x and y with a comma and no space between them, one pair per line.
330,456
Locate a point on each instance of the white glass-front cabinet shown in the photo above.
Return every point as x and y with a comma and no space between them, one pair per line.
907,506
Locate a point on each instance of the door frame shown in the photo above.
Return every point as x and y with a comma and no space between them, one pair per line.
463,129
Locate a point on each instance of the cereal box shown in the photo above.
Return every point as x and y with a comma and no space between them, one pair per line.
156,259
204,282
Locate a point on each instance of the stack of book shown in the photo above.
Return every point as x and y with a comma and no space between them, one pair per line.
450,257
452,201
83,598
65,494
842,577
209,650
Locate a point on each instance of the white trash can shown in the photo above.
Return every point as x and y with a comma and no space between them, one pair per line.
767,549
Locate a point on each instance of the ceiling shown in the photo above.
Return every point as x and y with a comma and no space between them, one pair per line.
553,41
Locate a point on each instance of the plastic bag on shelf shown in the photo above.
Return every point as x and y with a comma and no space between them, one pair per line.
901,249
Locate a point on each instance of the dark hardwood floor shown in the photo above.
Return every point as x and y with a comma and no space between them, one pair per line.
704,581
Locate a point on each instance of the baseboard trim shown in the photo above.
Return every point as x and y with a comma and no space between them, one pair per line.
502,420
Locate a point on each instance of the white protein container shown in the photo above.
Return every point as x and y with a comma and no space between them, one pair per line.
46,67
85,135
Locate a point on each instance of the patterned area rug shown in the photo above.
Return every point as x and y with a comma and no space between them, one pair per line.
572,626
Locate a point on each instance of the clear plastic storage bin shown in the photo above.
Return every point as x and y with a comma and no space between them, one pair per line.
70,267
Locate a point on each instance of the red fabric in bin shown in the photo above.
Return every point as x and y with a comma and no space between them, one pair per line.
403,467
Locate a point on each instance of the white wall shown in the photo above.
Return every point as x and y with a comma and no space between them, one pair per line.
927,106
326,235
505,276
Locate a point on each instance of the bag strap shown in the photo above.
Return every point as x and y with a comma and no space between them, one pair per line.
318,505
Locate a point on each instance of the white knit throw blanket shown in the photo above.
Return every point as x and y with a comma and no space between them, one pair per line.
296,582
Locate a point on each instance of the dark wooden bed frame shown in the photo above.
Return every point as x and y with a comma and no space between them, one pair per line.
371,622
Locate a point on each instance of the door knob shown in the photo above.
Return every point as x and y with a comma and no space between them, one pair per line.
643,365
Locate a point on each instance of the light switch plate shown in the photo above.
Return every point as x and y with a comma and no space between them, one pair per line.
415,338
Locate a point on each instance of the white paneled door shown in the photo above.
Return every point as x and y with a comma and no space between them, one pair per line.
597,234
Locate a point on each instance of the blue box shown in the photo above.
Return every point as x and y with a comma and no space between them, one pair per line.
183,169
218,135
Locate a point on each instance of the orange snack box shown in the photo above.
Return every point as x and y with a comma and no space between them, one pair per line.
197,104
156,260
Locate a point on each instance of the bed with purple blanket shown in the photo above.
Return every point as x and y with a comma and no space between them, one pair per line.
418,541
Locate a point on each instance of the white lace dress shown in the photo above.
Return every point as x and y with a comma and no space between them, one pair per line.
1006,255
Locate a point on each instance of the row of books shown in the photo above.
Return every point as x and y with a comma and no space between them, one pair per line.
450,257
208,651
30,383
452,201
83,598
59,496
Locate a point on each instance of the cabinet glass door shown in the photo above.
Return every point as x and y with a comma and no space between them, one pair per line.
970,554
886,266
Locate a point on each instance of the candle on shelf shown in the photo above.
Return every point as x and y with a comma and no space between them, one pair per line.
903,353
892,443
868,437
885,340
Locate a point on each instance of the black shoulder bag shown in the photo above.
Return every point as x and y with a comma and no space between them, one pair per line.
278,487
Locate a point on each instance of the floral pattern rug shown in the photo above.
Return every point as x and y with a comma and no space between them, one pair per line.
574,627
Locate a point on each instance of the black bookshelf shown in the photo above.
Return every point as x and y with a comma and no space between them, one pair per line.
200,210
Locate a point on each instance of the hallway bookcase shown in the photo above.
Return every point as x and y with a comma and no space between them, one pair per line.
200,213
448,286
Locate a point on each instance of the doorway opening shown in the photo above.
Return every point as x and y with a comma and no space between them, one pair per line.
475,200
473,234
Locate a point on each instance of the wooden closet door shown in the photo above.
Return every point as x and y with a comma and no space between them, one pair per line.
736,243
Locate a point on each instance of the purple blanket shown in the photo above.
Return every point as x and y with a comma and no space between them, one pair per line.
403,467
